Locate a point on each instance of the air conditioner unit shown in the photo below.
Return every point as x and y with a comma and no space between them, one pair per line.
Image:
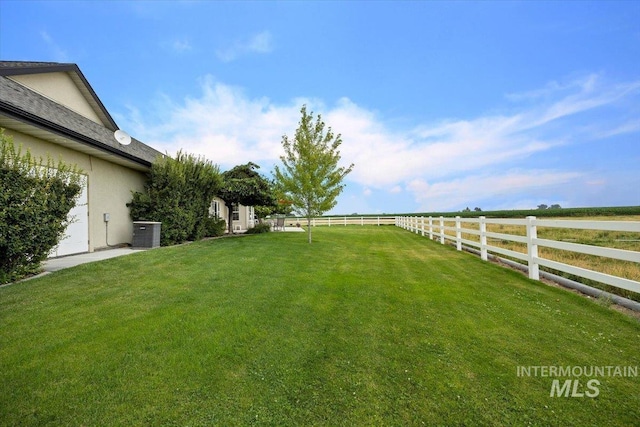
146,234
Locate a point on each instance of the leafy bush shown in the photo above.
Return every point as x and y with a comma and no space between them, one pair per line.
35,199
178,194
259,228
215,227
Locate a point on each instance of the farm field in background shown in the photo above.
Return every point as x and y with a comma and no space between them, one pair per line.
366,326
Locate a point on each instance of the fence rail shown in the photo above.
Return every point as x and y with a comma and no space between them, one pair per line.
349,220
441,228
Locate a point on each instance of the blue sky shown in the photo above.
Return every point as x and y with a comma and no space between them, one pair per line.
441,105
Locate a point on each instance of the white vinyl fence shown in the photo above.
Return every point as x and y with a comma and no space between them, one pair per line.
347,220
435,228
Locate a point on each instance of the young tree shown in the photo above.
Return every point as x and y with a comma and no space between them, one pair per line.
310,177
243,185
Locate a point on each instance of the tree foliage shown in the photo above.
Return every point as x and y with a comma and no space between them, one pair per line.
35,200
243,185
178,194
310,177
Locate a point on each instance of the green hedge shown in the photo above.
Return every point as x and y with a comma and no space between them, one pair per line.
178,194
215,227
35,199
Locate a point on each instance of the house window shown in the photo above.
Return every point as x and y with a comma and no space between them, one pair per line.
215,209
235,215
250,216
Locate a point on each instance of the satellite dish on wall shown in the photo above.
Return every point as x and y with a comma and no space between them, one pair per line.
122,137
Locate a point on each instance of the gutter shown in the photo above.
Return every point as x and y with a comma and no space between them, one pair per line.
46,125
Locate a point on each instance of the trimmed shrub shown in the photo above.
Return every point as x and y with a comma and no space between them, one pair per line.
215,227
259,228
35,199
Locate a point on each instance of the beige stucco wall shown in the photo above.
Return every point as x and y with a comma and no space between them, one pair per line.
245,212
60,88
109,189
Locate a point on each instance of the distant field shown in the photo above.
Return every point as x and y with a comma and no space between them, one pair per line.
519,213
366,326
546,213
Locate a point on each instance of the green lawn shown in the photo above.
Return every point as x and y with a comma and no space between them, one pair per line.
366,326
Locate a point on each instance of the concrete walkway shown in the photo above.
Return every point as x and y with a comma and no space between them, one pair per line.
55,264
293,229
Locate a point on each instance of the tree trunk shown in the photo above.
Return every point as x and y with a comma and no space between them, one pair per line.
309,228
230,222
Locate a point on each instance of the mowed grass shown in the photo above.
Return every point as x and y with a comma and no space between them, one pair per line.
612,239
366,326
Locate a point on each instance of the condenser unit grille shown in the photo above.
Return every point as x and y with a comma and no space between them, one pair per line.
146,234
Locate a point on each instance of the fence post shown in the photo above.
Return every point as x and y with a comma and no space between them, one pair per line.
431,228
483,239
361,220
422,225
532,248
458,234
442,230
378,221
329,221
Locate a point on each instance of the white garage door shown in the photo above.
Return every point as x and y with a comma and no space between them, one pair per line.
76,236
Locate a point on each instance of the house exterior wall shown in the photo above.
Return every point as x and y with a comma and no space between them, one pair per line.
245,219
109,189
60,88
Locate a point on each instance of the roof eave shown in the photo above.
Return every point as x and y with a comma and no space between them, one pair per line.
36,121
74,71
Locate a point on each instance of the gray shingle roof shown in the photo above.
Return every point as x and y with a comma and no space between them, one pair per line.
23,104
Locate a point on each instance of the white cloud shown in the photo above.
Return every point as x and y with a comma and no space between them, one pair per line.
630,126
181,45
59,54
223,125
442,165
258,43
450,195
